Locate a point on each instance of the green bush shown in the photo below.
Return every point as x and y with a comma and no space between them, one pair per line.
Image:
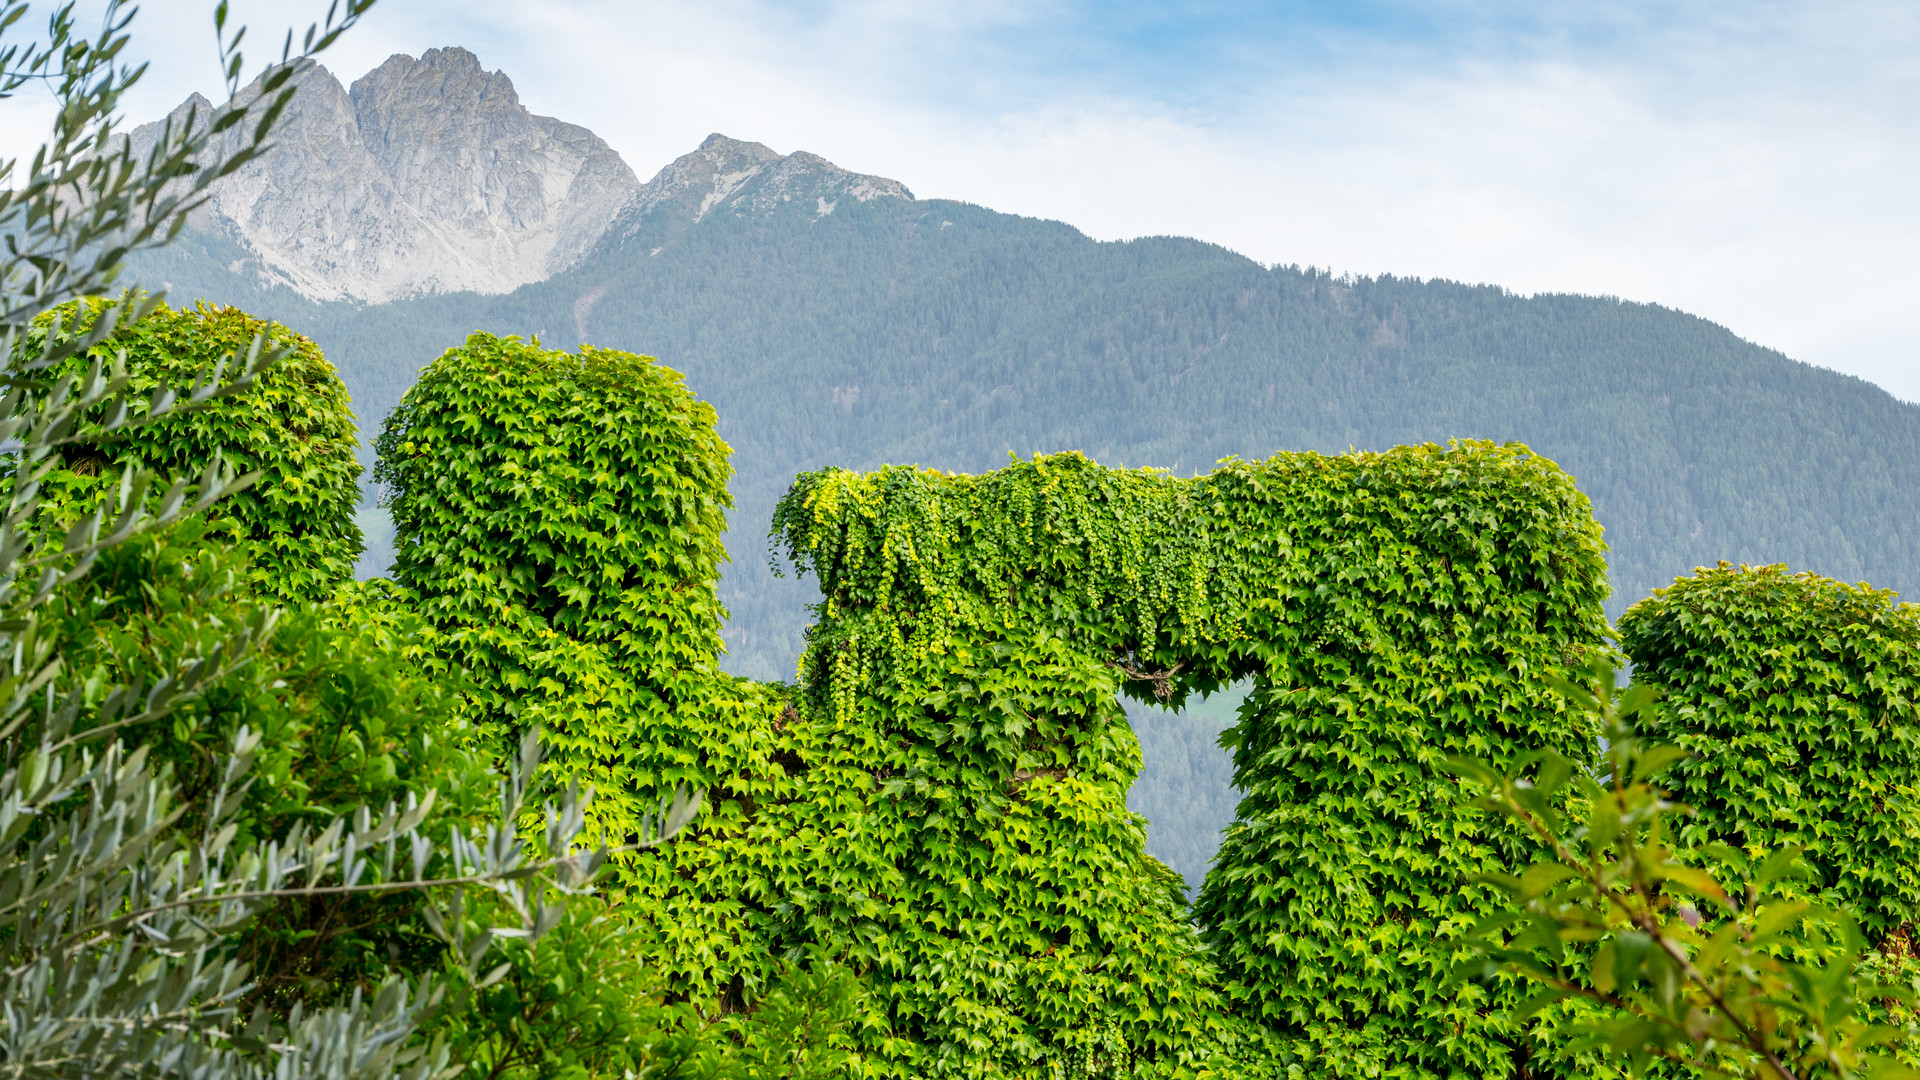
129,898
294,425
1799,699
558,524
345,714
1656,960
582,1003
1391,609
336,692
558,520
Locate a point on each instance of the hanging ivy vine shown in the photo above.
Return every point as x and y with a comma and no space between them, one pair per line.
1391,609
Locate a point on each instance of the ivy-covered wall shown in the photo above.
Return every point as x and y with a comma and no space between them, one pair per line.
940,803
1799,697
559,518
1390,608
558,522
294,425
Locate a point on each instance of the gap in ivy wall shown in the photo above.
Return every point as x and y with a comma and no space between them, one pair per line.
1185,789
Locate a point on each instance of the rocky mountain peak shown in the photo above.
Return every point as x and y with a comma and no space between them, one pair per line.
749,177
428,176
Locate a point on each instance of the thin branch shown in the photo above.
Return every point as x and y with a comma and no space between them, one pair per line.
131,918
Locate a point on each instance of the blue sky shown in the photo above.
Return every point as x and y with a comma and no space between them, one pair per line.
1753,163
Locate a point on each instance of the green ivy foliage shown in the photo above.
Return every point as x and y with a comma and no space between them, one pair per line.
347,717
295,425
559,519
588,489
940,807
1392,609
582,1002
1799,698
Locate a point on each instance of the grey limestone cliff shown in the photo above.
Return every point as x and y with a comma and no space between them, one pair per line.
427,176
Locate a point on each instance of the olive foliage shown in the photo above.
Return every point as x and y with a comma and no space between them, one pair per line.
125,894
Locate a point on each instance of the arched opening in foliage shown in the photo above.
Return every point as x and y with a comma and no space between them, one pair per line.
1390,609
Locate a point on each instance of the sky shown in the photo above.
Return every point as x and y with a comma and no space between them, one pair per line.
1752,163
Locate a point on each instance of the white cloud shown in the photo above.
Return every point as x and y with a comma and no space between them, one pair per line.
1750,165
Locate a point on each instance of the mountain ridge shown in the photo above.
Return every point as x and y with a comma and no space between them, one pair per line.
427,175
747,176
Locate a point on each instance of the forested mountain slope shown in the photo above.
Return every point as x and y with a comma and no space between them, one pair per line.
832,320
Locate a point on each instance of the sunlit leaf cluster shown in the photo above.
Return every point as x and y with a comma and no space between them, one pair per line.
293,432
1798,699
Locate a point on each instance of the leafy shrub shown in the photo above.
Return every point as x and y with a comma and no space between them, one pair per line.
126,906
294,426
345,715
558,524
1798,698
973,633
581,1002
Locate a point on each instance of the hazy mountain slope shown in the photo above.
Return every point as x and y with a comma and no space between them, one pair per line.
896,330
947,335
